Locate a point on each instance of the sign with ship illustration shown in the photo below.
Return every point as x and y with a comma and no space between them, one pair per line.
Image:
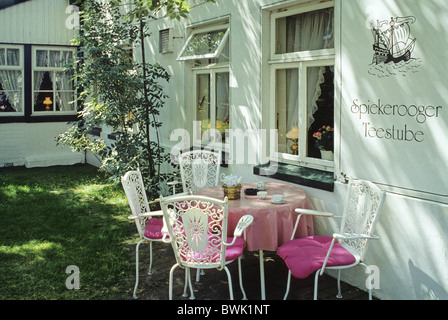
393,47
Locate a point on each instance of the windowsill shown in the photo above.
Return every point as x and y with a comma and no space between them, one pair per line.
304,176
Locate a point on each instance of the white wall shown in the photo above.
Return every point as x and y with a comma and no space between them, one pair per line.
413,249
33,145
37,22
41,22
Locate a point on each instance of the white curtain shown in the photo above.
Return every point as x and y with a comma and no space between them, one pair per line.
309,31
11,80
41,61
64,97
64,87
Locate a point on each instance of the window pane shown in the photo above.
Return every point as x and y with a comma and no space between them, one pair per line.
43,86
222,103
286,106
55,58
2,57
204,43
11,91
44,101
43,80
63,81
64,101
41,58
203,101
306,31
13,57
320,101
67,56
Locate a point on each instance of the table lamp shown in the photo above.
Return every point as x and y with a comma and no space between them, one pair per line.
47,102
293,135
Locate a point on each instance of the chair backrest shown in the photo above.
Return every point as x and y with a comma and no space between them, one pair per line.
135,192
364,203
197,227
199,169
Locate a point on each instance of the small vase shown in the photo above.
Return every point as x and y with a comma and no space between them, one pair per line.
327,155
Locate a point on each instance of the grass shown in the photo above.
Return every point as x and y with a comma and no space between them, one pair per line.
52,218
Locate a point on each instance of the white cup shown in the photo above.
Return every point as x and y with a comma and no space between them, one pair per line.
262,195
277,198
261,185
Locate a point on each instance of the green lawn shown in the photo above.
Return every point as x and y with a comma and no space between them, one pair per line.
52,218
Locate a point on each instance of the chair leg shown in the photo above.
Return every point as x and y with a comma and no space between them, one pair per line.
171,281
187,276
199,273
136,268
316,280
368,271
192,297
288,283
229,277
240,275
339,295
150,258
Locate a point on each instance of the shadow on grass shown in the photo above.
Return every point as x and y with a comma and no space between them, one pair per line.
52,218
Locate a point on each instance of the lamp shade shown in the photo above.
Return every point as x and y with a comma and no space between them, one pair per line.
293,134
47,101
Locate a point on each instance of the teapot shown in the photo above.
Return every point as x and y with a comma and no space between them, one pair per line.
230,180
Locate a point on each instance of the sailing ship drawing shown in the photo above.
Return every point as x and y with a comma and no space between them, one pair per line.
393,40
393,47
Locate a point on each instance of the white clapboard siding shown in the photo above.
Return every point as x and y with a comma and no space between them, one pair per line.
36,22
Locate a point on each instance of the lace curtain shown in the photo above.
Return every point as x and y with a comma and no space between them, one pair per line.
11,80
64,90
306,32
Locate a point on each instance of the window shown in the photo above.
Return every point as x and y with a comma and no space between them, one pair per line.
165,44
53,87
11,80
204,44
212,98
207,50
301,88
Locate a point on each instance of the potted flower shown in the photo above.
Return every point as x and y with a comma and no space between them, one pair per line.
325,141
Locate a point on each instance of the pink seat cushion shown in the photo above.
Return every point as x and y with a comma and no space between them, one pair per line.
304,256
210,256
153,229
235,251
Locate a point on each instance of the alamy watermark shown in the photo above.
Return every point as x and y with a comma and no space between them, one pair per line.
72,21
72,281
248,147
373,278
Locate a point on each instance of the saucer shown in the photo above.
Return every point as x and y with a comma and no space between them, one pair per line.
278,202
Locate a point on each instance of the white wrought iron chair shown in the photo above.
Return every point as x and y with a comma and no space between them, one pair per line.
199,169
343,250
197,228
149,228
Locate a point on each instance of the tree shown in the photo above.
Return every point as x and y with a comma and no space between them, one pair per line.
119,92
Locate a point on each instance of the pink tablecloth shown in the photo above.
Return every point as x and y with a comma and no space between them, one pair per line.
273,223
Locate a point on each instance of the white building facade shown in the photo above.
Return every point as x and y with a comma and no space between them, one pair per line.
270,76
372,71
35,91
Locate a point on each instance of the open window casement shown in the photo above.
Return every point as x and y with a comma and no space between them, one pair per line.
202,44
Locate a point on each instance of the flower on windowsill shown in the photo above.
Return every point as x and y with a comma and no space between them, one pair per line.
324,138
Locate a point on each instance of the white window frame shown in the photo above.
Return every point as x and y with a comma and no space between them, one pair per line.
20,68
207,67
212,70
211,55
302,55
301,61
50,69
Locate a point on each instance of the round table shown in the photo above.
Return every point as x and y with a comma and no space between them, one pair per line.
273,223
